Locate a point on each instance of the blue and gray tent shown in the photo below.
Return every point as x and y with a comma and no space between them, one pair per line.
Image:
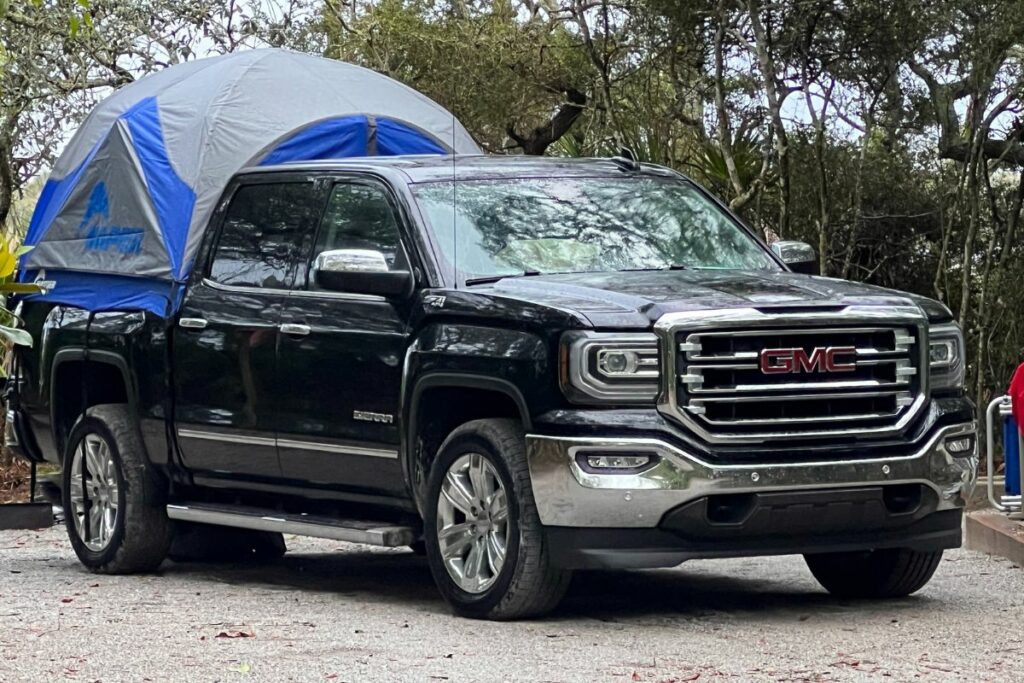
119,221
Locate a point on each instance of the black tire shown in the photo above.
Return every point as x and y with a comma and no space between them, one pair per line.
142,532
875,574
528,585
208,543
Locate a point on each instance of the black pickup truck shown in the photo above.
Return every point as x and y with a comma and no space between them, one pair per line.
518,366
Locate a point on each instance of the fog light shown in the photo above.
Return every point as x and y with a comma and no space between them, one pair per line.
960,445
609,461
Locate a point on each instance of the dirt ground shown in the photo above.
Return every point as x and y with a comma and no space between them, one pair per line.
14,479
337,612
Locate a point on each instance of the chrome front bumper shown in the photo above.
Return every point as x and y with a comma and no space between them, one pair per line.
566,495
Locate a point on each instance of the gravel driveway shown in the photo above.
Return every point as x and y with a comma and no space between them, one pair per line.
336,612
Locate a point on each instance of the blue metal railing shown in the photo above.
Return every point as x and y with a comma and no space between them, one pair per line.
1000,411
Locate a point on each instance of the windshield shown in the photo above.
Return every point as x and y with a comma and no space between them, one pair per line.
570,225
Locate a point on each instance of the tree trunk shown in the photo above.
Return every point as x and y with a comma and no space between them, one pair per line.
858,193
824,208
542,137
722,130
6,181
766,63
967,267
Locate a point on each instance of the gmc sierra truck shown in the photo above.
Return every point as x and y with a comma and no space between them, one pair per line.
517,366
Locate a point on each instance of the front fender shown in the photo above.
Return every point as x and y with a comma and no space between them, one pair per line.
518,363
522,361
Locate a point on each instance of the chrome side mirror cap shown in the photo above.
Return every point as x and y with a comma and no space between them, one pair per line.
350,261
799,256
360,271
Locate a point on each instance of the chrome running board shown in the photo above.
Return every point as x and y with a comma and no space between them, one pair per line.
350,530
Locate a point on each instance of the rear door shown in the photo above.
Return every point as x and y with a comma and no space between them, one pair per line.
226,343
341,355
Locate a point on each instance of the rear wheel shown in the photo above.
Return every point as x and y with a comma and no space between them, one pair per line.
115,518
484,540
889,573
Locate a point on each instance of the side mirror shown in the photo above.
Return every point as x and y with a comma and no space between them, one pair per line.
799,256
360,271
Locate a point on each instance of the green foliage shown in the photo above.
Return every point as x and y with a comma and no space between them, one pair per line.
492,70
747,153
9,331
887,134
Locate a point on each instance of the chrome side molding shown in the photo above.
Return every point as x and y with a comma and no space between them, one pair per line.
340,449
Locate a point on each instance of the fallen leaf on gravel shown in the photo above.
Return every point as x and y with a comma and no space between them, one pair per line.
240,668
235,634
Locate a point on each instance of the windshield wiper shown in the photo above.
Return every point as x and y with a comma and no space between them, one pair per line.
674,266
490,279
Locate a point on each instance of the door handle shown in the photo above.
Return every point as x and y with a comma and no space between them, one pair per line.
192,323
295,330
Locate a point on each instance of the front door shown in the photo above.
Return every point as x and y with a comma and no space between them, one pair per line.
225,345
341,357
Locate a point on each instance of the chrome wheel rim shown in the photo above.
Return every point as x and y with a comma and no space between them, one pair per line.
472,523
94,505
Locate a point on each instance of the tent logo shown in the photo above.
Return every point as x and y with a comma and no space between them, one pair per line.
99,234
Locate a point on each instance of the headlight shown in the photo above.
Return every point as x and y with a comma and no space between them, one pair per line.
946,356
610,367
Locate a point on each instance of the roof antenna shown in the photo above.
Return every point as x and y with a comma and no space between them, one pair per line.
626,159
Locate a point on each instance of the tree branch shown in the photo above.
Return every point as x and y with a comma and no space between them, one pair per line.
542,137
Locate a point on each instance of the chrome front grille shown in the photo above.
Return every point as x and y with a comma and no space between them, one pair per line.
753,376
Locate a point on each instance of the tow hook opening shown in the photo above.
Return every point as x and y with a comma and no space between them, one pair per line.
902,499
730,509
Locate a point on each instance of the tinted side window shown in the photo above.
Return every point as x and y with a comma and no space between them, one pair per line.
261,234
361,217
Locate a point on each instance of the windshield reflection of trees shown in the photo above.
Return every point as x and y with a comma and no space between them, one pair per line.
585,224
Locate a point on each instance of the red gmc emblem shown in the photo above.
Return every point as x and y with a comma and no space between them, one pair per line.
780,361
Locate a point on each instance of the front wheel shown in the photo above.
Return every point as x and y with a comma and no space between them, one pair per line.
484,541
889,573
115,518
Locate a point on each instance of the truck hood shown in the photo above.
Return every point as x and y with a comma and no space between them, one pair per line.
636,299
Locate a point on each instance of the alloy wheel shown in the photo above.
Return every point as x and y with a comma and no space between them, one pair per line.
472,523
94,492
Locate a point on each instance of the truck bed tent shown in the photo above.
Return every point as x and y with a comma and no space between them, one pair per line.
119,221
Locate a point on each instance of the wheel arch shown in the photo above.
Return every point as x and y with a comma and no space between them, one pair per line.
441,401
81,378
